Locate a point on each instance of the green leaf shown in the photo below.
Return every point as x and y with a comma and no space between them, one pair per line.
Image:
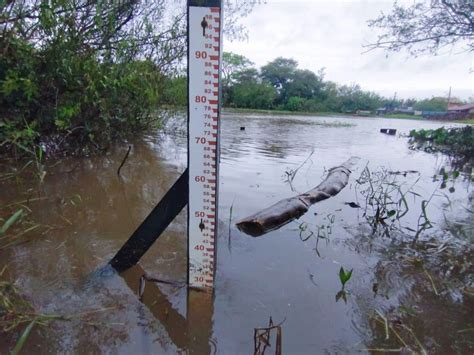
344,276
455,174
24,337
391,213
10,221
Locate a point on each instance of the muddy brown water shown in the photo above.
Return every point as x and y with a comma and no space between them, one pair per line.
424,291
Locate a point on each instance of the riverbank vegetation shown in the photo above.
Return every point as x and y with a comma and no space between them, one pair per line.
281,85
77,75
458,142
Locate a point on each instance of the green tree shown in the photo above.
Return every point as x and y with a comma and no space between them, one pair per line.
305,84
279,73
295,103
253,95
232,65
437,104
352,98
175,91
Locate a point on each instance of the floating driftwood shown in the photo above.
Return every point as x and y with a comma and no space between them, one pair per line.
288,209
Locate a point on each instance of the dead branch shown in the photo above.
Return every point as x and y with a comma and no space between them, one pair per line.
124,159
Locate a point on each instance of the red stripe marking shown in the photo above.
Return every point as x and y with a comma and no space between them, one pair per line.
213,209
216,39
216,48
212,181
216,93
214,9
210,216
214,110
216,29
214,135
216,76
210,249
214,57
212,142
216,85
217,19
214,126
213,102
213,166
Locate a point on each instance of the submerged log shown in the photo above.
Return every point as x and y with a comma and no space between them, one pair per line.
288,209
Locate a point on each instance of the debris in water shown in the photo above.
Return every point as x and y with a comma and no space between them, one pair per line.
389,131
352,204
287,210
261,338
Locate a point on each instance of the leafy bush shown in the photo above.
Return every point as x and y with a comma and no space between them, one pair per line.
57,92
77,75
458,141
295,103
253,95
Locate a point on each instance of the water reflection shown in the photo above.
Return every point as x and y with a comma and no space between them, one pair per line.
191,333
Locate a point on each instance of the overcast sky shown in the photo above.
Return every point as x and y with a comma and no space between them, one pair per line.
330,34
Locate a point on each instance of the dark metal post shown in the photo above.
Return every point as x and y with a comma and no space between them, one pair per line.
154,224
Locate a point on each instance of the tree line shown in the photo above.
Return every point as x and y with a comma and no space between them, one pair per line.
281,85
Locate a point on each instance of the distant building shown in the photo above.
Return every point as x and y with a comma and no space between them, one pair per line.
466,108
454,102
381,111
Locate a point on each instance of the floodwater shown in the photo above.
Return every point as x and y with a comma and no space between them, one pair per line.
402,297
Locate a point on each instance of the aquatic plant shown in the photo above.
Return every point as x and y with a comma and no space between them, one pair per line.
454,141
344,276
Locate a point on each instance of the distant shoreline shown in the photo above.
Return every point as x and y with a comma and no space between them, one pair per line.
337,114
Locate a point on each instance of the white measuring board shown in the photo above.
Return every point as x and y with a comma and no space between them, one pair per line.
204,48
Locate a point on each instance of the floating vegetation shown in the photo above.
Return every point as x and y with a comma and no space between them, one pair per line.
335,124
457,142
16,311
16,226
344,277
385,202
395,331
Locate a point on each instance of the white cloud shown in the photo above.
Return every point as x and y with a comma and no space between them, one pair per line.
331,34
